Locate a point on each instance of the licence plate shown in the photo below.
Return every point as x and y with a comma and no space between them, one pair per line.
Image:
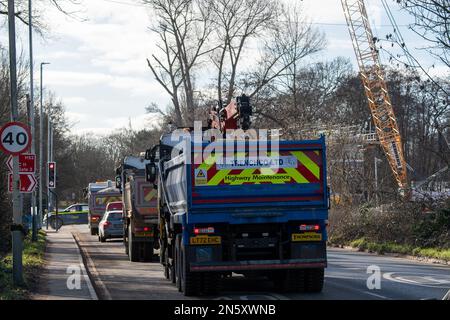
199,240
307,236
144,234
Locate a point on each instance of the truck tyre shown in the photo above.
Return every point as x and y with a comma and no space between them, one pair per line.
133,248
177,262
211,283
125,242
94,232
314,280
290,280
148,251
169,270
190,281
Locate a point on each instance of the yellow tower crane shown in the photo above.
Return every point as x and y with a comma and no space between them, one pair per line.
375,87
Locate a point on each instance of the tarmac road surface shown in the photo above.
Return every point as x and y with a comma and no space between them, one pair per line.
345,278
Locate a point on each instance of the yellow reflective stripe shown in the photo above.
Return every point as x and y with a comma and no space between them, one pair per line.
308,163
297,176
150,195
214,181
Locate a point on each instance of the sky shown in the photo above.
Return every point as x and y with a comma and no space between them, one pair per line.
98,65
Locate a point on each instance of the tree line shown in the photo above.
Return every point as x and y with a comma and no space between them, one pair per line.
261,48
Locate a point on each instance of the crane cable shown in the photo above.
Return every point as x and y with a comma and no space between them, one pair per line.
400,40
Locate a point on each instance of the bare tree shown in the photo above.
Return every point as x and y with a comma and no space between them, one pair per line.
184,28
291,39
236,22
39,7
432,23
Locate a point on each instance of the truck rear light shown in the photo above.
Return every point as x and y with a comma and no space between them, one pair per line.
95,218
309,227
142,229
106,224
204,230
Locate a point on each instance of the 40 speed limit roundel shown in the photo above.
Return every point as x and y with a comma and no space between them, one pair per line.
15,138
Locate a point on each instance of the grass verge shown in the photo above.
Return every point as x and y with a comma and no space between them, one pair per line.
33,261
381,248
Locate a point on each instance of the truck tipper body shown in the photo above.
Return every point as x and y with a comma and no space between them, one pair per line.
140,218
248,214
99,194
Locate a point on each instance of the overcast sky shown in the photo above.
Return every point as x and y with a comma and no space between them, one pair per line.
99,70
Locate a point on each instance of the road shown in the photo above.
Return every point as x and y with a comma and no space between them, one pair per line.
345,278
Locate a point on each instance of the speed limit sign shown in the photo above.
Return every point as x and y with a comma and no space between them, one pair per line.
15,138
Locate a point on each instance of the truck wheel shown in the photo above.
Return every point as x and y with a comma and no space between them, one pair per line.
102,239
211,283
169,270
177,262
133,248
314,280
93,231
148,251
125,242
190,281
290,280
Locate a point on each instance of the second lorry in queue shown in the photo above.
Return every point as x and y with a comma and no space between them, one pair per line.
140,219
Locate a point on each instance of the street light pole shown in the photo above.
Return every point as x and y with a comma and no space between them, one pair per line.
33,128
16,228
41,147
49,157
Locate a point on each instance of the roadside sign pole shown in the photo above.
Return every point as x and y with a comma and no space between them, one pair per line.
41,148
32,117
17,210
49,158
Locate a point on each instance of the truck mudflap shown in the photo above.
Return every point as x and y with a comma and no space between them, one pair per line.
258,265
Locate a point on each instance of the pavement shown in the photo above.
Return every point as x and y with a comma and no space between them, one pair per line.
350,275
64,276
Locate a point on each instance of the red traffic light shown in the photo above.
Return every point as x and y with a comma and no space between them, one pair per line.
51,179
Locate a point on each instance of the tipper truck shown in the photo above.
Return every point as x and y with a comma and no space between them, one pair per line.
99,194
236,213
140,218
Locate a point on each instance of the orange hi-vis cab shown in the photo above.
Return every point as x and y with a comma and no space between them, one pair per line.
140,216
99,194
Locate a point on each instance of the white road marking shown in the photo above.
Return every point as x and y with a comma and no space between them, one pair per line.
85,274
94,270
438,283
376,295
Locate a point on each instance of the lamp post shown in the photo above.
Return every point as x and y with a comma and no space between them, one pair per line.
32,117
41,146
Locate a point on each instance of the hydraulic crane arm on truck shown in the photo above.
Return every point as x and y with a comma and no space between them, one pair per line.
372,76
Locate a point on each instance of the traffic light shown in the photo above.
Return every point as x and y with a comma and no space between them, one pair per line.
52,175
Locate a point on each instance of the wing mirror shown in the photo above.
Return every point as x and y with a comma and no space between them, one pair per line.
150,172
119,182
